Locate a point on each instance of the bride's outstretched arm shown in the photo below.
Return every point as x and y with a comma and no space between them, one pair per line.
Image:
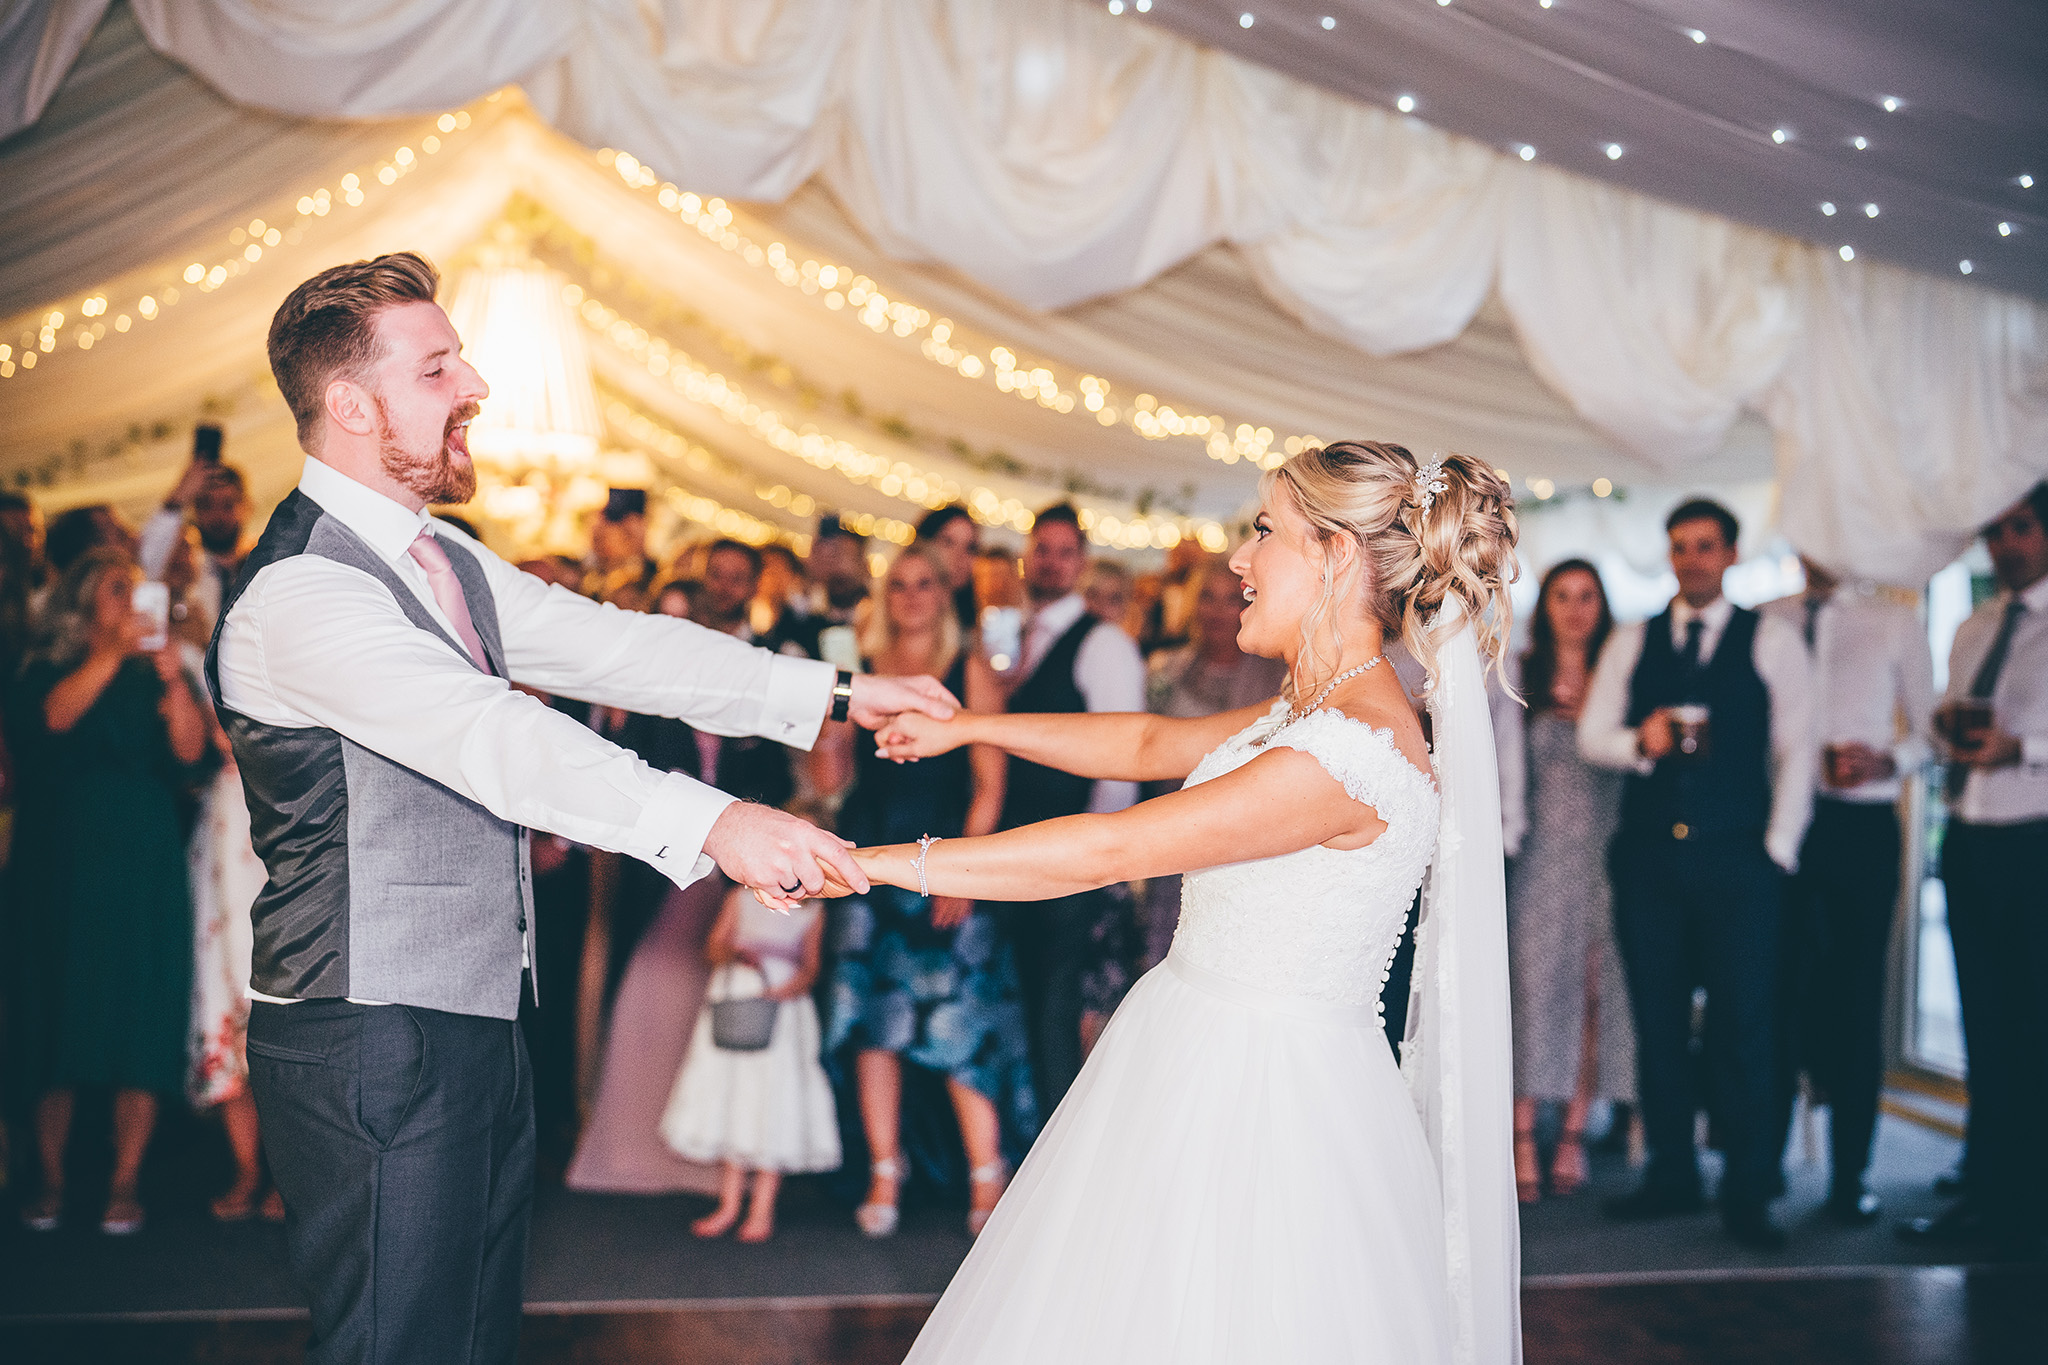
1122,746
1280,802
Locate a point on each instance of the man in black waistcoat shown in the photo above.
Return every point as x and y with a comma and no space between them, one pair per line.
1706,708
1072,662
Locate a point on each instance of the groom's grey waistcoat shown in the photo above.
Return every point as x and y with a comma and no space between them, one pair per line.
384,885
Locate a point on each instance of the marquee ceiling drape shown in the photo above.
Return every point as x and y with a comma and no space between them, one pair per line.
1058,183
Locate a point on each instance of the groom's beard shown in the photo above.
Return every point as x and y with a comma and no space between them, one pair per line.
432,474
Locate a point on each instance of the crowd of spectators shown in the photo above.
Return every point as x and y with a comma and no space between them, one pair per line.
1690,802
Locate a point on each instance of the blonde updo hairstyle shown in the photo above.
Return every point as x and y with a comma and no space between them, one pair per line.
1412,560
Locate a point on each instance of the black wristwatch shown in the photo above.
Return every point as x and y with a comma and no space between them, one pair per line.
842,695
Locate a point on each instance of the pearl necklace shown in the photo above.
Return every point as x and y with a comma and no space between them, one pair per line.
1295,713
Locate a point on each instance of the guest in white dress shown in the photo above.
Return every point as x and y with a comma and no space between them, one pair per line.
770,1110
226,877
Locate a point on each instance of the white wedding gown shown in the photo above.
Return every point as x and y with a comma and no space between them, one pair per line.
1240,1173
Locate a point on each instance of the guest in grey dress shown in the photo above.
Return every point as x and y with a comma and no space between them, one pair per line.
1572,1038
1205,677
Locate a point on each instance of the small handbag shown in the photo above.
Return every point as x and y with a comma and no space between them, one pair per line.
744,1024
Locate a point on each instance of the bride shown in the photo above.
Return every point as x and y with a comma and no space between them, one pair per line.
1239,1174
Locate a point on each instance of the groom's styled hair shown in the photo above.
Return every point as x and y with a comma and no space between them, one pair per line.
327,327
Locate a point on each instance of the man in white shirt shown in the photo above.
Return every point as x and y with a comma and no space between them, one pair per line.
1072,662
216,497
1873,695
1706,708
364,668
1994,865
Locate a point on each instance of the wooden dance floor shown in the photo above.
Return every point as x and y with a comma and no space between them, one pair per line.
1919,1316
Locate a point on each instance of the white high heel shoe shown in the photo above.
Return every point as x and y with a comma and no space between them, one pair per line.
997,1172
879,1220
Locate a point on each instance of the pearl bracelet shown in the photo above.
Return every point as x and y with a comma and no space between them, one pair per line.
924,846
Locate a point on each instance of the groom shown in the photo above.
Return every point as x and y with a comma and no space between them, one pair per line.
363,667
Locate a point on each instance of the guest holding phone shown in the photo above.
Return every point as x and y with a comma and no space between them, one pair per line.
99,940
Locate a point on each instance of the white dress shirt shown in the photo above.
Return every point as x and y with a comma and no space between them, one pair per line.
153,546
2019,707
313,642
1779,656
1108,669
1873,683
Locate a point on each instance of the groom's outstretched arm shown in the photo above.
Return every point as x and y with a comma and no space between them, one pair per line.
663,666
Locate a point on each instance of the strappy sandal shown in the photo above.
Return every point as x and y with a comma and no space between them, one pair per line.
996,1173
1528,1178
879,1220
1568,1171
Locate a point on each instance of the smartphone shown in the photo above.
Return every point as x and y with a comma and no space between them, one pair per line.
1002,637
206,439
153,602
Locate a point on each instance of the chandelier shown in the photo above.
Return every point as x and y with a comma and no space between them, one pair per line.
540,470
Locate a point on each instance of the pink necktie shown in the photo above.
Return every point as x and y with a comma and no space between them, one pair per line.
428,554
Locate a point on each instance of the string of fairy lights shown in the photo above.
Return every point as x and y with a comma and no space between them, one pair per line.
99,315
102,316
838,288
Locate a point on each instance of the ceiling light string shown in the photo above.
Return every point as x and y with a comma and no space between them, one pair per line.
86,323
697,383
840,288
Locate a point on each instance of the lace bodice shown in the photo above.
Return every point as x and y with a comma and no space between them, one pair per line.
1322,923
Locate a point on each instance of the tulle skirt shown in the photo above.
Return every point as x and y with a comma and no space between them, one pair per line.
769,1110
1237,1176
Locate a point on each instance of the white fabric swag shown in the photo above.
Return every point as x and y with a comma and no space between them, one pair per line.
1058,155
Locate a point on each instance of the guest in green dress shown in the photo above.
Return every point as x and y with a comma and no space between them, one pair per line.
105,736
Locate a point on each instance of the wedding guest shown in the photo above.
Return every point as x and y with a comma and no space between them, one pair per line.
1205,677
1072,662
75,533
21,572
998,581
213,499
1711,821
1572,1040
226,877
619,570
827,626
769,1110
1170,610
951,532
1994,866
21,523
749,767
106,736
930,982
1106,587
1873,695
781,593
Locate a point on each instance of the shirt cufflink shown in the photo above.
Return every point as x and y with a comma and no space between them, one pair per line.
673,825
798,696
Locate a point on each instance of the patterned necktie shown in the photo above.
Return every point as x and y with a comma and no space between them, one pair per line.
447,589
1986,680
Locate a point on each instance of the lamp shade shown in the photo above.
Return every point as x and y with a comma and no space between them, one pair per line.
518,332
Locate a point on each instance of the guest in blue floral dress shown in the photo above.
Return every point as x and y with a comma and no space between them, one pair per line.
930,982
